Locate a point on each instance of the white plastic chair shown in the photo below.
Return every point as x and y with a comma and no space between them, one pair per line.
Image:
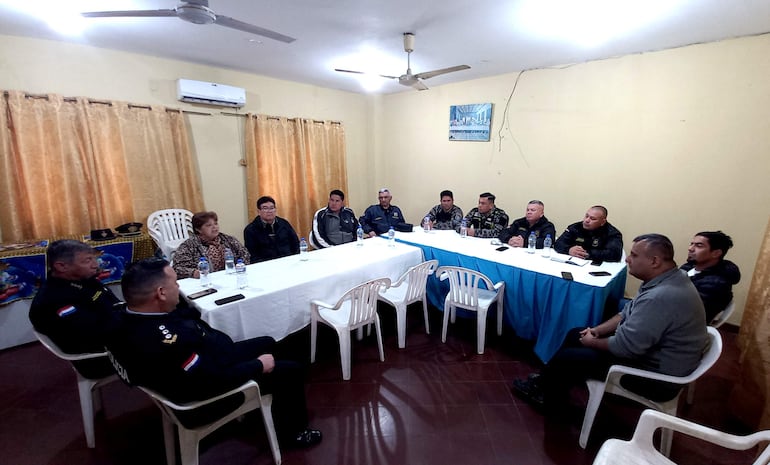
355,309
722,316
640,450
189,438
169,228
410,288
611,384
464,292
90,401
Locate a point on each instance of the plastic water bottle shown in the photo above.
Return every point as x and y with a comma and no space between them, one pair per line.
531,243
240,275
360,236
229,261
203,270
464,229
303,249
426,224
547,246
391,237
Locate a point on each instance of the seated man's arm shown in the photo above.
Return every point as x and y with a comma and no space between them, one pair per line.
319,232
716,292
564,242
612,251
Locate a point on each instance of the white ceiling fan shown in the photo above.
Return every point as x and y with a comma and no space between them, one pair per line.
197,12
409,79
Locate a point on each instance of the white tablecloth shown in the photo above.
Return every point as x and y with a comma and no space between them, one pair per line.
277,300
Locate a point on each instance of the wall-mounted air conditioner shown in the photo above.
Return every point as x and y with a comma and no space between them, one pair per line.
210,93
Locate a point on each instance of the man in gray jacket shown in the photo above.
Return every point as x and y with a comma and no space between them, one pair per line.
662,329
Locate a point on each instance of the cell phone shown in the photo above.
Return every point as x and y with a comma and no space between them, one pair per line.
567,275
227,300
199,294
596,262
501,248
600,273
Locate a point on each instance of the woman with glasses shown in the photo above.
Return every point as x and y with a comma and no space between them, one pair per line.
269,236
206,242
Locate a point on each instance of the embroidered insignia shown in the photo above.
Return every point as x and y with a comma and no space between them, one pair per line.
66,310
580,240
190,362
162,327
96,296
595,243
169,339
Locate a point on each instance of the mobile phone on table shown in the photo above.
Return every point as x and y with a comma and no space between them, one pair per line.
501,248
600,273
199,294
567,275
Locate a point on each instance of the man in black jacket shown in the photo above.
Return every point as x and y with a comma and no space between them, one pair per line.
269,236
708,270
73,307
534,221
179,355
592,239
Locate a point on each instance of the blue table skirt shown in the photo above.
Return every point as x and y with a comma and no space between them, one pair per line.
538,307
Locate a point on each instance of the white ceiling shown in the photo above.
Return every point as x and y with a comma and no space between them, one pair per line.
492,36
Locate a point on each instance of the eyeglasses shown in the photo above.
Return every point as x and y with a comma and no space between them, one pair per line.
267,209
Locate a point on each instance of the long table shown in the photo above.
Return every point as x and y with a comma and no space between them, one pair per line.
277,299
539,304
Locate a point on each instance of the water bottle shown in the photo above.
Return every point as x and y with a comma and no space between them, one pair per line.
426,224
360,236
203,270
547,246
240,275
391,237
464,229
531,243
229,261
303,249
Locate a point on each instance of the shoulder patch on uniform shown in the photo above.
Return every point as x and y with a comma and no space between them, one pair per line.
190,362
96,296
66,310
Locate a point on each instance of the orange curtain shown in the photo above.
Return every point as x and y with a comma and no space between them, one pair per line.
69,165
750,397
295,161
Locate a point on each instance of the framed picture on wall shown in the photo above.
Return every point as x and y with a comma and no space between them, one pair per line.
470,122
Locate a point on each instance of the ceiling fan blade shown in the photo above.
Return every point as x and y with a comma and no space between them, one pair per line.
419,85
348,71
232,23
437,72
129,14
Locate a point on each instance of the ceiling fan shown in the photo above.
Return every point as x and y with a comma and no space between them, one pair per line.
193,11
409,79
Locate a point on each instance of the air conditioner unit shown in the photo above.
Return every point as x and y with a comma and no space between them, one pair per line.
210,93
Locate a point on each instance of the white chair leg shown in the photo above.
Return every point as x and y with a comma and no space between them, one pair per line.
344,336
666,437
85,387
425,314
447,311
188,447
595,394
500,300
378,330
690,388
481,331
313,337
169,440
401,324
267,419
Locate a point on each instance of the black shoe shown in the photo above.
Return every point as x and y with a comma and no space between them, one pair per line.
529,390
307,438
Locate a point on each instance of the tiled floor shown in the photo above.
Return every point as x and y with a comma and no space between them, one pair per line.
428,404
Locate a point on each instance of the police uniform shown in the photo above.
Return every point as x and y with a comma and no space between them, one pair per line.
489,224
77,315
380,220
183,358
521,227
445,220
604,243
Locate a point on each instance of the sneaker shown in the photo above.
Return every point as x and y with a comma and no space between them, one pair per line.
530,391
307,438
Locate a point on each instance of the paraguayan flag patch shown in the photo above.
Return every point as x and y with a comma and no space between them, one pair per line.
66,310
191,362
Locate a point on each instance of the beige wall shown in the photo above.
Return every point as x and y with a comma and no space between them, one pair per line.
672,142
40,66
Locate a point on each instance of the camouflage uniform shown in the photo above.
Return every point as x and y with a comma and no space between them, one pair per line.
488,225
444,220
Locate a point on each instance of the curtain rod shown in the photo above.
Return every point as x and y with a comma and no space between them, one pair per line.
228,113
108,103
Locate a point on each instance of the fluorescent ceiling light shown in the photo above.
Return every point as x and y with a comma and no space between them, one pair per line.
589,23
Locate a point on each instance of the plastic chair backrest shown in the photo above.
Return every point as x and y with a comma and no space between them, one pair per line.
417,278
169,228
463,285
51,346
723,315
363,300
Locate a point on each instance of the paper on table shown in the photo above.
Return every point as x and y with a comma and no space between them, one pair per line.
561,258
